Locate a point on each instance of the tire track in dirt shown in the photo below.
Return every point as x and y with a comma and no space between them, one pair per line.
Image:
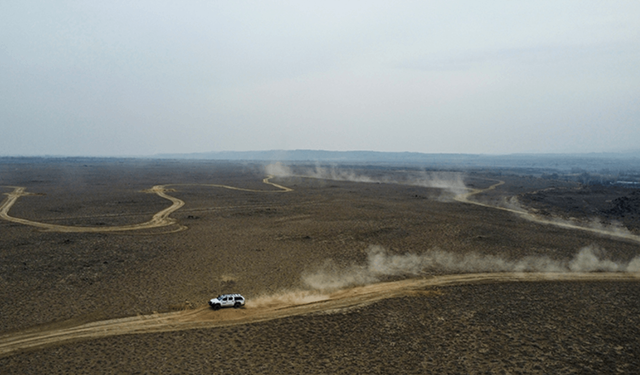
160,219
464,198
275,307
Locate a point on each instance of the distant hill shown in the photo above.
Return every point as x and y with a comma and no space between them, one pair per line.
619,164
586,161
319,155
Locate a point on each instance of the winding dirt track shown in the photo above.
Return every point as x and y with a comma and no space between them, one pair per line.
160,219
274,307
619,234
163,219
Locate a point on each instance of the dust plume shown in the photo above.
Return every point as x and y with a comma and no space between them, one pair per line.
278,170
450,182
285,298
612,229
381,264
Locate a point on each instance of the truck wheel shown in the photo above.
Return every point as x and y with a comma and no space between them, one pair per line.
216,306
237,305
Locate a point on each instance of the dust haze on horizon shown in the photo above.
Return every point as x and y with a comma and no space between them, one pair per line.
147,77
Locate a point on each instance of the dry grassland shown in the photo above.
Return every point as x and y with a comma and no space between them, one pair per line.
270,242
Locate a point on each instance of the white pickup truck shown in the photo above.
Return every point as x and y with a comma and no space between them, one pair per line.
227,300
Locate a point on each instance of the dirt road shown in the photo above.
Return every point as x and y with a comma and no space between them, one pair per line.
274,307
163,219
267,308
160,219
613,232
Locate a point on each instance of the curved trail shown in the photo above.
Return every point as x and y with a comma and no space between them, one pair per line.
464,198
275,307
160,219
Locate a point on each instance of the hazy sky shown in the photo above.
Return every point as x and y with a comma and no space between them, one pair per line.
108,78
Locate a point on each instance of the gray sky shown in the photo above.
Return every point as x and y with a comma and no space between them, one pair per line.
107,78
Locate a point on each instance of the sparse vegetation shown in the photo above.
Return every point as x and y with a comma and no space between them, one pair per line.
261,244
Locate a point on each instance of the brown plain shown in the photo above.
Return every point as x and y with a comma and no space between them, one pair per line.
151,285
